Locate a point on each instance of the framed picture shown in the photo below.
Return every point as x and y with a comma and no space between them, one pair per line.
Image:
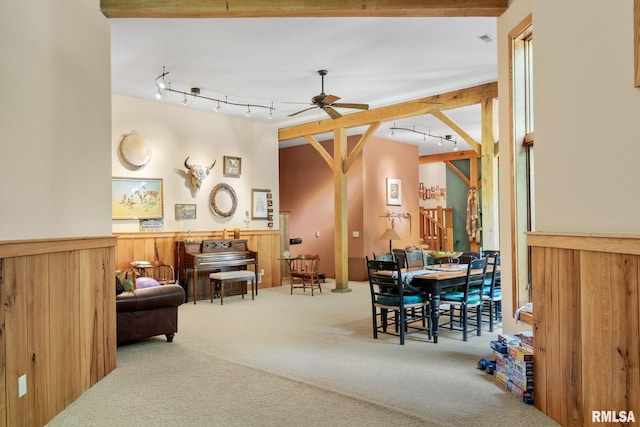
259,203
185,212
394,192
136,198
232,166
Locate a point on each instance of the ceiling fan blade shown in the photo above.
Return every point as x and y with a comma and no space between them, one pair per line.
301,111
330,99
331,112
350,105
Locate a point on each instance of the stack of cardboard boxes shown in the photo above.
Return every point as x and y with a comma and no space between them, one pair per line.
514,364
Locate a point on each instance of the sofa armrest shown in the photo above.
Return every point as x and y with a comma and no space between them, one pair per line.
149,298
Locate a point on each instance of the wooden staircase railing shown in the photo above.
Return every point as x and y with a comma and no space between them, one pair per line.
436,228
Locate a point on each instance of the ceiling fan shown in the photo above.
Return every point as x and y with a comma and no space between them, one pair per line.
327,102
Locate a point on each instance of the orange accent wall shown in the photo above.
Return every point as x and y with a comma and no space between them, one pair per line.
306,192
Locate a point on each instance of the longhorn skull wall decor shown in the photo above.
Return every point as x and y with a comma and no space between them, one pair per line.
197,173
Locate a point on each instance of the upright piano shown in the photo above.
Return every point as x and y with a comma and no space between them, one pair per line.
211,256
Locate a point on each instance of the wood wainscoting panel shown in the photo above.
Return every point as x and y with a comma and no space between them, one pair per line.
586,325
58,320
161,246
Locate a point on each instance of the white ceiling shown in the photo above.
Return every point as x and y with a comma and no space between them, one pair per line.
379,61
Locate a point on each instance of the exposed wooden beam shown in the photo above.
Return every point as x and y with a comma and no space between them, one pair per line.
298,8
458,172
448,157
463,97
320,149
363,118
446,101
358,148
475,146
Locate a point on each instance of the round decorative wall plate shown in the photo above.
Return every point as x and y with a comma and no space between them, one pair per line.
223,200
135,149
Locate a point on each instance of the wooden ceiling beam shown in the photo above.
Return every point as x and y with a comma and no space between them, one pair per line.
445,101
299,8
475,146
448,157
363,118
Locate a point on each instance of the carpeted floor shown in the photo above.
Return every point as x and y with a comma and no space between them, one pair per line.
297,360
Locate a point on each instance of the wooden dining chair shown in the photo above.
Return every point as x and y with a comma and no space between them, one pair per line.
415,258
400,255
396,308
467,302
383,257
304,273
492,292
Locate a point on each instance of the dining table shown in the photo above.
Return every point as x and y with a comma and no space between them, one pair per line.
435,279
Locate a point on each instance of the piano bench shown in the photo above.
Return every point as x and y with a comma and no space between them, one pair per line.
224,277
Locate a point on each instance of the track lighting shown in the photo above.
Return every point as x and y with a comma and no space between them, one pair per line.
163,85
440,139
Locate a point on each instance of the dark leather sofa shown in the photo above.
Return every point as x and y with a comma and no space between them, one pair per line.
147,312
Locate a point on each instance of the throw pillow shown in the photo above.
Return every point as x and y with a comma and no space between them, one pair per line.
146,282
119,285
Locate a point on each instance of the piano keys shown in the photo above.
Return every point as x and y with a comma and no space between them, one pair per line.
210,256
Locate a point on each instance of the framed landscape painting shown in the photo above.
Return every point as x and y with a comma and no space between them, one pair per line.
136,198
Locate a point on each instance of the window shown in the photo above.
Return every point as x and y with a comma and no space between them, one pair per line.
522,136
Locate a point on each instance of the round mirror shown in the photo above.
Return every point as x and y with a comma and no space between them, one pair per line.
223,200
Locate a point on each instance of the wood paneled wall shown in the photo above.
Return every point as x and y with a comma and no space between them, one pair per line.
57,324
586,314
161,247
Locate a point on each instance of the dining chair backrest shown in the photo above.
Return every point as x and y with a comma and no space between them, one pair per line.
489,252
493,276
385,279
401,256
305,263
415,259
466,257
476,271
383,257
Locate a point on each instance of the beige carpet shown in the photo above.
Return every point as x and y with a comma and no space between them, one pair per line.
297,360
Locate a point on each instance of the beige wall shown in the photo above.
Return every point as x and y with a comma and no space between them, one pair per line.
431,175
55,119
174,133
586,120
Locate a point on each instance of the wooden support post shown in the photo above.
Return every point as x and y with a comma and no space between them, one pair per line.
341,211
489,188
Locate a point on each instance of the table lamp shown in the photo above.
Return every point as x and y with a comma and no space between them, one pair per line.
390,234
